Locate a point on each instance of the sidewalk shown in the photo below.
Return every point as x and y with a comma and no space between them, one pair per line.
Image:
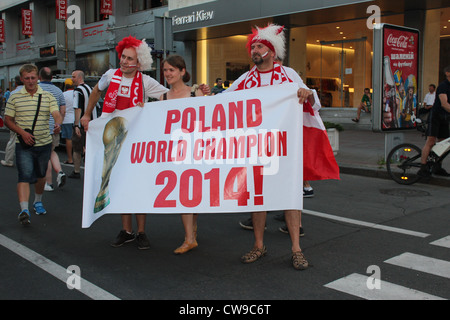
362,152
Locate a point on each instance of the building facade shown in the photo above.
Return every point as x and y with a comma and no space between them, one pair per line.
89,47
329,42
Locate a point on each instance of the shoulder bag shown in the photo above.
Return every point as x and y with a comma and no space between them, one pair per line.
22,142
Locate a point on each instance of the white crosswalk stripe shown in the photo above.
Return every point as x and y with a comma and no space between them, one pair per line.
359,285
356,285
444,242
421,263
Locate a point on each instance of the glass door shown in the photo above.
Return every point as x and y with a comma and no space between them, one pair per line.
342,67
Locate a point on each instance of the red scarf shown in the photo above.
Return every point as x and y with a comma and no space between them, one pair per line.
136,94
253,78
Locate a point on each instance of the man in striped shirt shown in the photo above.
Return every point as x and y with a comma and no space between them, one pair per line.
80,101
31,162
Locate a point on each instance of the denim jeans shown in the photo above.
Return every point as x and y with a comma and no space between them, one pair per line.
32,163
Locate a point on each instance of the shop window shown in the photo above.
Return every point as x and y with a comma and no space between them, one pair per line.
92,11
141,5
51,18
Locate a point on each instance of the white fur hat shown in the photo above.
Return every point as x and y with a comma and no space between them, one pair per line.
143,51
272,36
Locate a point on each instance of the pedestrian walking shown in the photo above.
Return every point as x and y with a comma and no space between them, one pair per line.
27,114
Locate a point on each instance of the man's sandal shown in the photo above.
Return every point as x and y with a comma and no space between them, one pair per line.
298,261
254,255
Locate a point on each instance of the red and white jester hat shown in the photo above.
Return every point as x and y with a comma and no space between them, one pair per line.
272,36
143,51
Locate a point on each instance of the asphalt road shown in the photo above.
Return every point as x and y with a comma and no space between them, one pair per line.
353,227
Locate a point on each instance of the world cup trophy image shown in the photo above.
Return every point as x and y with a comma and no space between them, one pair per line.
113,137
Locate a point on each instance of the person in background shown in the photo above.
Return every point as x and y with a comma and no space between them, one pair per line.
10,150
438,126
45,76
366,104
218,88
69,119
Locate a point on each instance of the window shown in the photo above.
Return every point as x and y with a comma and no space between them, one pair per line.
92,11
51,18
141,5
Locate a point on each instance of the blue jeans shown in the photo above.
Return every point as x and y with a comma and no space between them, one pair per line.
32,163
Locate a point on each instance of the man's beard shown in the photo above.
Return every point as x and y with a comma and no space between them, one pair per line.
257,59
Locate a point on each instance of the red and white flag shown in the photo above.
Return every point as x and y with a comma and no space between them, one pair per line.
27,22
2,30
319,162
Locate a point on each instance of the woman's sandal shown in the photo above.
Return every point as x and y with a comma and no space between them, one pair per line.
185,247
254,255
299,261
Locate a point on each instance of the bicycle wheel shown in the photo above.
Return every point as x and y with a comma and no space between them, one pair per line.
403,162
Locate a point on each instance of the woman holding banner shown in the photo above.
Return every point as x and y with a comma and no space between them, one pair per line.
175,73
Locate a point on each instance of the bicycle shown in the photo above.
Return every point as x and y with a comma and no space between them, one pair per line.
404,161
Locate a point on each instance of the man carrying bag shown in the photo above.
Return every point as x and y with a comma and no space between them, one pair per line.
27,114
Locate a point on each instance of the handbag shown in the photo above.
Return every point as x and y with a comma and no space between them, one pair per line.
22,142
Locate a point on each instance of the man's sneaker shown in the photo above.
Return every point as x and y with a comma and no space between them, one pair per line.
39,208
61,179
248,224
75,175
122,238
142,241
308,193
424,171
284,229
6,163
48,187
24,217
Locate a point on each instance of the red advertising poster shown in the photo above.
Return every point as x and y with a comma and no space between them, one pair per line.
106,7
2,30
27,22
400,77
61,9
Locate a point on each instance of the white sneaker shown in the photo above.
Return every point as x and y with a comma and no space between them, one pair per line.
61,179
48,187
6,164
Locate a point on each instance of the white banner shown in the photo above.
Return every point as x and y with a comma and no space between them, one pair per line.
232,152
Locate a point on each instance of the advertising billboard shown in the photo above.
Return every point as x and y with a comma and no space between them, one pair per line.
396,75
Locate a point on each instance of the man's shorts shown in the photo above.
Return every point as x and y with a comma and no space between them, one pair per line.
55,140
437,126
78,143
32,163
66,131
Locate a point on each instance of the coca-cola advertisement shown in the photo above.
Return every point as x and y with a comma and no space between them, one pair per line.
400,77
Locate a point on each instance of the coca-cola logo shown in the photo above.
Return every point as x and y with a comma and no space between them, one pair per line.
399,42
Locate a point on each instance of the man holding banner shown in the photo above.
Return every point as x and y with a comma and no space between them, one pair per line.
127,87
265,46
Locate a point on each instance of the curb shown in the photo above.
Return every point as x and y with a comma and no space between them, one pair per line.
382,174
